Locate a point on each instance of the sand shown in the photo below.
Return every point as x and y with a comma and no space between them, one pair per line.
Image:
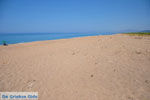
113,67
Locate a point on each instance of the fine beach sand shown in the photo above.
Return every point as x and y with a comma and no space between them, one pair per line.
113,67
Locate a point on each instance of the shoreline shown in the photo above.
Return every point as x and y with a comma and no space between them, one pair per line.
80,37
59,39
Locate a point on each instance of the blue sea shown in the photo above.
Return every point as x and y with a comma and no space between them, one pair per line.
13,38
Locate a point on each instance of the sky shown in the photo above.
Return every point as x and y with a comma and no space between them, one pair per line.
70,16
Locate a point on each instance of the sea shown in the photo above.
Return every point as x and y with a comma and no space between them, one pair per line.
13,38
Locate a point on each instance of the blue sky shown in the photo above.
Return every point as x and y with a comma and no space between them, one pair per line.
69,16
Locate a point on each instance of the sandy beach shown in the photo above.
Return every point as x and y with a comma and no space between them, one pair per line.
112,67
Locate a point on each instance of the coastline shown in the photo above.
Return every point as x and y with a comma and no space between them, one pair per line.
107,67
32,37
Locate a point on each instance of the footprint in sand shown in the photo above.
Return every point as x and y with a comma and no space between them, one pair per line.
130,98
139,37
148,51
96,63
5,62
30,84
73,53
99,39
114,70
138,52
146,81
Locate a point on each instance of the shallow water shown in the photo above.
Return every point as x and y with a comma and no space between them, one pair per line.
13,38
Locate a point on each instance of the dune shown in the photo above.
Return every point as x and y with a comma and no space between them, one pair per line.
111,67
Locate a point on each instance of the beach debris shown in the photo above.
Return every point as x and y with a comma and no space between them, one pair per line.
4,43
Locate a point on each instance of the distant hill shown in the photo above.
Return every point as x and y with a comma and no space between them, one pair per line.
146,31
